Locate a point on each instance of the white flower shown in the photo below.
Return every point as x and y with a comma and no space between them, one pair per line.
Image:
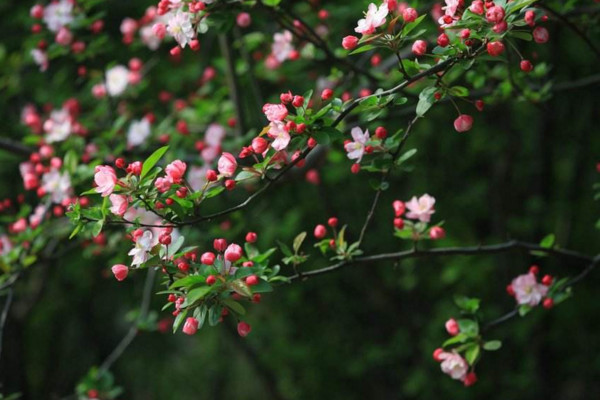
454,365
58,127
117,79
138,132
280,134
356,149
282,45
143,245
528,291
374,18
57,185
180,27
40,58
214,135
58,14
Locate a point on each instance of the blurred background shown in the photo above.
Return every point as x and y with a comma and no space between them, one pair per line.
525,170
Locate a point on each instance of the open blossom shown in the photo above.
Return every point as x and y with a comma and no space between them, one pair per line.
227,164
454,365
180,27
58,14
119,204
5,245
36,218
374,18
40,58
214,135
176,170
143,245
528,290
117,79
420,208
106,179
275,112
356,149
282,46
58,127
163,184
450,9
278,132
138,132
57,185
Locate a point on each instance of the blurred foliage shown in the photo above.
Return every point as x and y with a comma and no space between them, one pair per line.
525,170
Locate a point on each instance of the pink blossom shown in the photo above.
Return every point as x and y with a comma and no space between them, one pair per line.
214,135
275,112
419,47
64,36
119,204
356,149
180,27
175,171
528,290
421,208
163,184
477,7
454,365
128,26
243,20
227,164
278,131
374,18
160,30
282,46
106,179
143,245
19,226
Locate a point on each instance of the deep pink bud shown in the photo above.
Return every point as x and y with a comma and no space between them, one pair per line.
320,231
496,48
437,232
540,35
220,244
251,237
210,280
233,252
120,271
259,145
243,329
207,258
463,123
495,14
252,280
349,42
191,326
409,14
399,207
419,47
452,327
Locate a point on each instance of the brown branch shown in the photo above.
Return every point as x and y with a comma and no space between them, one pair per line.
15,147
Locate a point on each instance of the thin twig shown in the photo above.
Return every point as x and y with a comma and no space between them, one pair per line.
5,316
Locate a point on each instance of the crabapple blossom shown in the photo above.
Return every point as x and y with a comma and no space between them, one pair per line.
320,231
476,7
454,365
163,184
138,132
259,145
57,185
105,179
278,131
243,20
495,48
540,35
526,66
409,14
40,58
120,203
399,207
463,123
419,47
494,14
58,127
374,18
527,290
356,149
421,208
142,247
227,164
282,46
180,27
175,171
58,14
275,112
120,271
251,237
117,79
437,232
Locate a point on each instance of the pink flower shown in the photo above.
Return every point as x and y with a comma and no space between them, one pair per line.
477,7
191,326
233,252
119,204
419,47
275,112
163,184
243,20
356,149
420,208
282,46
19,226
454,365
282,138
463,123
244,329
374,18
409,14
227,164
527,290
120,271
259,145
159,30
175,171
349,42
452,327
106,179
495,14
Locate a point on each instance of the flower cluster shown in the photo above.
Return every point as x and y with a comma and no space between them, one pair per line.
417,212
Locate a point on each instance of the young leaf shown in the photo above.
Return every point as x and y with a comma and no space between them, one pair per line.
298,241
492,345
152,160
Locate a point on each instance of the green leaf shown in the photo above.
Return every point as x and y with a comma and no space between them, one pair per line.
458,91
548,241
406,156
196,294
362,49
235,306
97,227
472,353
271,3
460,338
470,305
298,241
410,26
321,137
188,281
524,310
425,100
492,345
152,160
469,327
179,319
261,287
